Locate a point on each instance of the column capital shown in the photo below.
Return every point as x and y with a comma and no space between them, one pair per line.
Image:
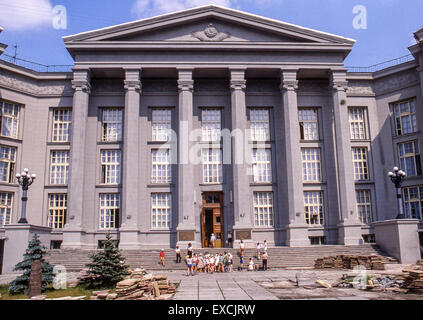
338,81
238,81
132,80
289,80
185,80
81,81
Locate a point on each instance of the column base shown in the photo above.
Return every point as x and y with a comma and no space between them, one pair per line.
128,239
73,238
349,233
297,235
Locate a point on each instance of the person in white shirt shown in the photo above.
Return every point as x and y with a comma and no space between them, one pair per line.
241,247
211,261
189,265
212,240
251,265
258,246
178,254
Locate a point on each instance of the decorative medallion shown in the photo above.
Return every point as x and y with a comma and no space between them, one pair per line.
211,34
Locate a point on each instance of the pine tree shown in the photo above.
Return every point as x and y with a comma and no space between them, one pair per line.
35,251
107,267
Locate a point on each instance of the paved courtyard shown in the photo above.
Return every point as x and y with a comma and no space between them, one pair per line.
268,285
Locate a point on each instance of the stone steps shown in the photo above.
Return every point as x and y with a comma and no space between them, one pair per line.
279,257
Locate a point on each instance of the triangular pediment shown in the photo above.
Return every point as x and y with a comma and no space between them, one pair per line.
208,24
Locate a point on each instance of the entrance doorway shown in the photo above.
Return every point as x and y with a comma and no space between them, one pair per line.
212,219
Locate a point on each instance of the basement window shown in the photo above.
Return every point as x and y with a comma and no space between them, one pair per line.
369,238
317,241
55,244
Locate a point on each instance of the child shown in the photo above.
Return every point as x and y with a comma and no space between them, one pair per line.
230,261
225,261
162,257
206,262
194,263
221,266
211,260
251,265
200,265
189,265
241,263
258,250
178,254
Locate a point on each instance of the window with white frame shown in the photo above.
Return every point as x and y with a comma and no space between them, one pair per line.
110,166
212,165
62,122
360,165
259,124
409,157
112,124
161,124
263,209
405,117
313,207
6,208
311,164
413,202
109,210
59,167
161,210
262,166
211,124
7,164
357,119
57,209
364,206
309,129
161,171
9,119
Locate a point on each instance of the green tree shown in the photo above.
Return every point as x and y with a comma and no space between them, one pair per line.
35,251
107,267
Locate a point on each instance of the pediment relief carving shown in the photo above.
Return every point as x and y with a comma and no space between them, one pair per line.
210,33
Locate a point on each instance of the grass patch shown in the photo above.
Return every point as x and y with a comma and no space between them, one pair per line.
50,293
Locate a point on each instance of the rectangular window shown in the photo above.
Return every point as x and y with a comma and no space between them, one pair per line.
59,167
263,209
57,209
6,206
161,124
161,171
9,119
311,164
409,157
109,210
262,166
112,124
161,210
413,202
259,124
364,206
110,166
211,124
359,158
405,117
7,164
62,122
308,124
313,207
357,123
212,165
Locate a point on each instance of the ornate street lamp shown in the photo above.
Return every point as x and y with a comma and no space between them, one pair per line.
397,177
25,180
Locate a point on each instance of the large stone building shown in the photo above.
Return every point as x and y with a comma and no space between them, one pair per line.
321,139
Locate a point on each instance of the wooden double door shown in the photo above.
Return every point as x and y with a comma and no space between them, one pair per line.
212,219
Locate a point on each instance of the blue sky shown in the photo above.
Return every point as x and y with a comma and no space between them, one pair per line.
390,23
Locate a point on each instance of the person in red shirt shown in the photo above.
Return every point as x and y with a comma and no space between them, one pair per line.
162,257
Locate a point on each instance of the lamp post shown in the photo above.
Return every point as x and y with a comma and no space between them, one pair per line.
25,180
397,177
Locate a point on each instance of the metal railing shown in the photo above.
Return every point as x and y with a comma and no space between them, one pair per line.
36,66
382,65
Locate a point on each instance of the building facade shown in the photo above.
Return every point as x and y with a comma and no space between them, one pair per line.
210,120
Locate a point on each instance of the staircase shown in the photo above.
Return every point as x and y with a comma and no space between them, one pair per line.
279,257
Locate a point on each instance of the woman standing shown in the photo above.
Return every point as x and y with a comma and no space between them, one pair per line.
241,247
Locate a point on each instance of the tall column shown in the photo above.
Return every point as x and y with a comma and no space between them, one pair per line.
241,184
290,170
130,163
186,211
74,231
349,227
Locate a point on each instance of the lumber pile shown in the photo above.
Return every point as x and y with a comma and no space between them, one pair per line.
139,285
343,261
414,281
